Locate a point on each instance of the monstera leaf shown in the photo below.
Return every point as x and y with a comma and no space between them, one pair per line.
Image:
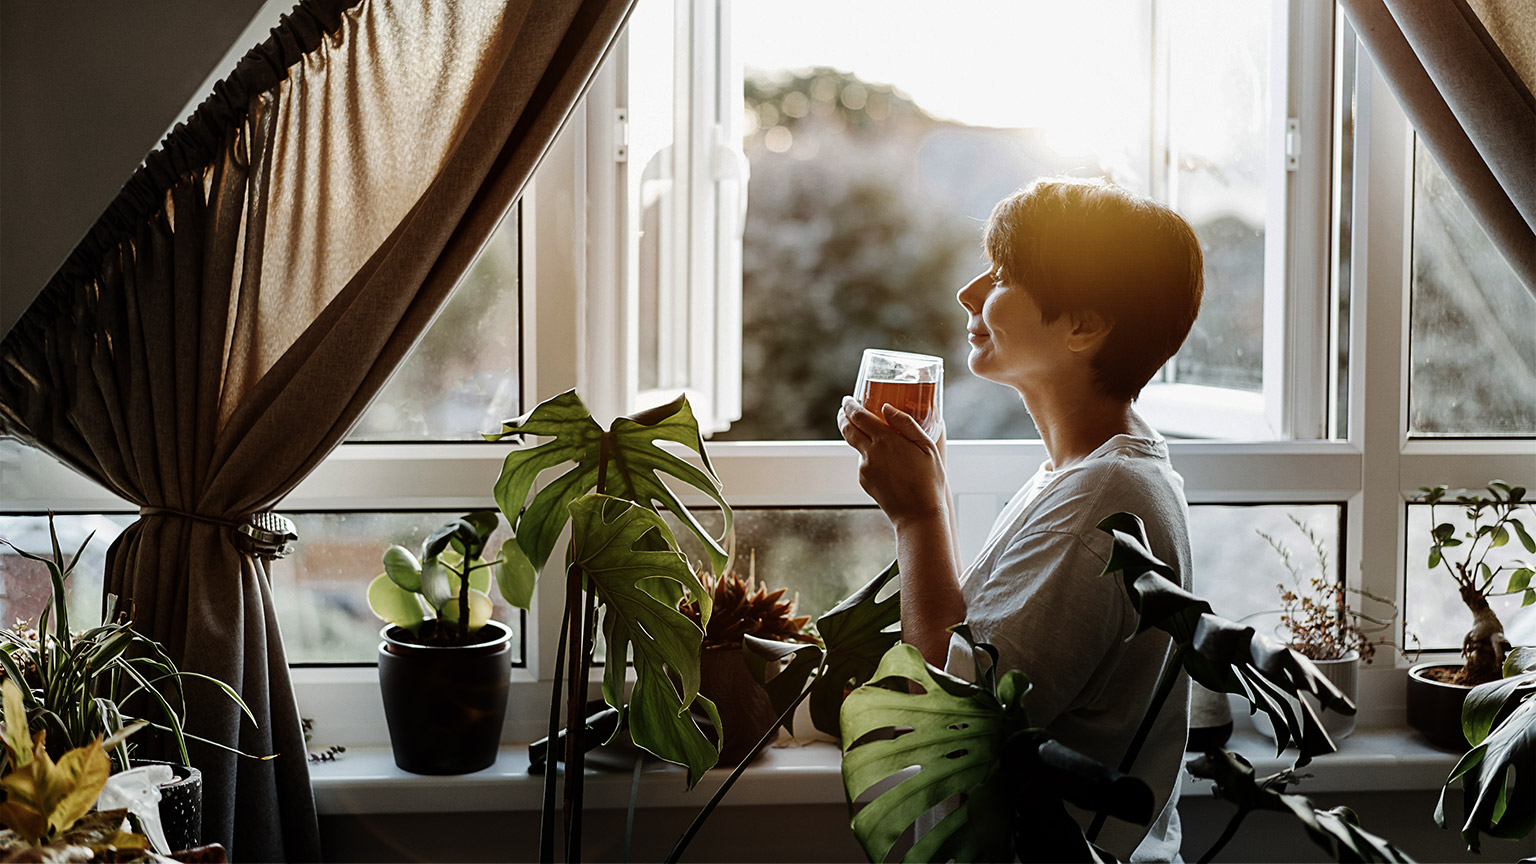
1222,655
1336,830
606,543
856,633
1499,797
627,458
973,741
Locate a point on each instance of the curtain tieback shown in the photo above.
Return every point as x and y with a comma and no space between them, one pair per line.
265,535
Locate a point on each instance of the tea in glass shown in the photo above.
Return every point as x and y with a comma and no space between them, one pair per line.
913,383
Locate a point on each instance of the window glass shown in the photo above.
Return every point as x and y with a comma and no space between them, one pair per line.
818,555
1433,609
321,589
462,378
1473,332
874,167
25,586
1240,573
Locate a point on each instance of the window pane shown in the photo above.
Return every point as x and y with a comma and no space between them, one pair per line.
874,167
25,586
321,589
1473,333
463,376
1434,611
818,555
1240,574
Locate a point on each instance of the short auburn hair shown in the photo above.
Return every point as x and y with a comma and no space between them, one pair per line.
1086,245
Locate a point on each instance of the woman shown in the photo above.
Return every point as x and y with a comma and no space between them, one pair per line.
1091,289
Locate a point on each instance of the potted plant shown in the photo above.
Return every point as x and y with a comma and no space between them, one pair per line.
82,686
1499,721
1317,621
742,608
621,565
975,741
1436,691
444,662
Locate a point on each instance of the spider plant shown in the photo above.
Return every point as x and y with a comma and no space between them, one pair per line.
74,685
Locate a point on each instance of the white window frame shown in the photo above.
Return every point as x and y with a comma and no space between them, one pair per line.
1371,472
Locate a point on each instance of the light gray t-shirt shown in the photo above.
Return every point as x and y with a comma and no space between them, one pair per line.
1036,593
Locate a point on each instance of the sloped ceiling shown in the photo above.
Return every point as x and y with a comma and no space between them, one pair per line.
87,88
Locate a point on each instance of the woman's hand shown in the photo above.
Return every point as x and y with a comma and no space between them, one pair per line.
899,466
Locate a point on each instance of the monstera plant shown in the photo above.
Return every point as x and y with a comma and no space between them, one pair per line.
1499,720
975,740
622,561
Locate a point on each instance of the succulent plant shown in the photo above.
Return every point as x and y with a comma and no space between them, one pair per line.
743,607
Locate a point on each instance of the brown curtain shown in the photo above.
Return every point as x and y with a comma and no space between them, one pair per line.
247,294
1463,72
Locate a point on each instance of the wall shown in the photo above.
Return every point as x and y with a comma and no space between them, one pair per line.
87,88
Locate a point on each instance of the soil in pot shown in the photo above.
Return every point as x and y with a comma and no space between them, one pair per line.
445,704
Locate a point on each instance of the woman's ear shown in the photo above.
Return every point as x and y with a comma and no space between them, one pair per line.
1089,331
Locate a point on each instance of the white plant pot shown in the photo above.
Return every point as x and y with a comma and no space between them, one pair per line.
1345,674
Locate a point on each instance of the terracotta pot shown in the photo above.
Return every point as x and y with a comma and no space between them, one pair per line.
1344,672
445,704
745,711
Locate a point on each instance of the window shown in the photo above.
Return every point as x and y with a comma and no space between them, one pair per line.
654,208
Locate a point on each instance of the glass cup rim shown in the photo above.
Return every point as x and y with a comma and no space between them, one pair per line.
931,359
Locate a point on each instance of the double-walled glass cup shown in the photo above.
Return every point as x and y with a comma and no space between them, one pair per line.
913,383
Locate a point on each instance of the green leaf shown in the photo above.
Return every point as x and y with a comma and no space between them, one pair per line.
1336,830
606,535
1484,702
1525,538
395,604
857,632
437,585
785,687
1500,536
1519,580
515,575
1434,557
1444,530
957,743
971,741
1494,803
1154,592
635,461
402,568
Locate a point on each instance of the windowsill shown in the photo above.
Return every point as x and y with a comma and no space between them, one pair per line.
365,779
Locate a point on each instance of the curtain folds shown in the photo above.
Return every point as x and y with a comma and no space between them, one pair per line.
1464,77
246,295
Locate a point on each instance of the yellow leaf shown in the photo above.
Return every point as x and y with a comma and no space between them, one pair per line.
72,787
30,824
15,724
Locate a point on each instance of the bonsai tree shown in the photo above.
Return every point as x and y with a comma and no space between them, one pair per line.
444,598
1494,518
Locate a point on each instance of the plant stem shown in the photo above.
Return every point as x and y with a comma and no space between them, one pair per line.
547,815
698,821
1171,671
575,716
1226,836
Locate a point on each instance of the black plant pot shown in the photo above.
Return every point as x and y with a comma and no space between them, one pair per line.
445,704
181,806
1434,707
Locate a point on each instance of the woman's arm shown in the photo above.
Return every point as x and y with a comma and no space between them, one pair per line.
904,472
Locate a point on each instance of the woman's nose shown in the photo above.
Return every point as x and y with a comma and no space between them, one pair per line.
972,295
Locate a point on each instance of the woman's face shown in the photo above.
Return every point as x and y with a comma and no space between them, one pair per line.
1009,343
